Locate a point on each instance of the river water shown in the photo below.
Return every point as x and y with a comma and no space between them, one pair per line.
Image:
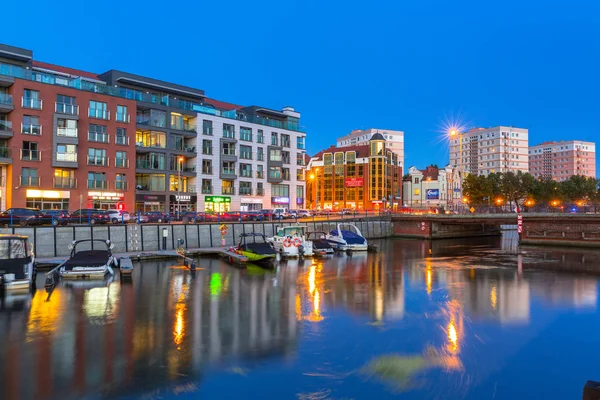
456,319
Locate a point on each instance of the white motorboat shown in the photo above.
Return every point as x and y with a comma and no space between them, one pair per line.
347,237
89,263
291,241
17,264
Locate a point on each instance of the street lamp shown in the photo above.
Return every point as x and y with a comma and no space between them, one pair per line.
314,178
179,166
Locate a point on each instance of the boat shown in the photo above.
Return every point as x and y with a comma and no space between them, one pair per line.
347,237
17,264
89,263
320,244
255,248
290,241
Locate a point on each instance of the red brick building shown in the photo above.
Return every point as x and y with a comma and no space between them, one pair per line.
366,177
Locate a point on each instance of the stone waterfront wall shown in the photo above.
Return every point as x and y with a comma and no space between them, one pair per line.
561,233
53,241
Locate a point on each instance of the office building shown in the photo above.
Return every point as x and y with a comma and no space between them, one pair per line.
186,151
359,177
394,140
483,151
560,160
424,188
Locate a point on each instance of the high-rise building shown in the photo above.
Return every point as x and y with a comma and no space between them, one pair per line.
189,152
487,150
394,140
359,177
560,160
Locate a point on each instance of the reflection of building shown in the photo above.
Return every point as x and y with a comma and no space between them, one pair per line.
579,292
561,160
361,177
146,336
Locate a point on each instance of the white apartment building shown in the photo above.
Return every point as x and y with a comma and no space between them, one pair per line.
394,140
490,150
250,158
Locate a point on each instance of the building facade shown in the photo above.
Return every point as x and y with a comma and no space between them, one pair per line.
424,188
361,177
394,140
560,160
68,140
483,151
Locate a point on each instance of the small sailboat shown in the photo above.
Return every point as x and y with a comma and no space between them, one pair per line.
89,264
347,237
255,248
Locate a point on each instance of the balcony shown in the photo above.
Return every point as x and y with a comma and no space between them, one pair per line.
5,155
207,189
185,127
123,117
97,184
66,157
31,129
228,152
98,137
122,140
260,191
6,102
207,170
65,183
67,109
98,114
6,129
120,185
228,190
97,161
29,181
121,163
31,155
246,191
147,164
35,104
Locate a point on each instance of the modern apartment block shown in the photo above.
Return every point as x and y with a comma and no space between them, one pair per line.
560,160
191,152
490,150
394,140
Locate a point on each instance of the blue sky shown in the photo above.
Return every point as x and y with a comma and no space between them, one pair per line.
405,65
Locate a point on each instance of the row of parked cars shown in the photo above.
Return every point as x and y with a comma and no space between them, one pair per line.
33,217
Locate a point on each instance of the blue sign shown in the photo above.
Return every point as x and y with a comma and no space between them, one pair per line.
457,190
433,194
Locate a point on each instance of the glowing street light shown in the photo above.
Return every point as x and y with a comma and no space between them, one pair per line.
498,201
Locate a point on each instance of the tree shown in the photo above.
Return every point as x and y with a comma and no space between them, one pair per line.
579,189
516,187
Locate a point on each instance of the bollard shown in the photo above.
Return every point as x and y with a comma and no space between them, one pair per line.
165,235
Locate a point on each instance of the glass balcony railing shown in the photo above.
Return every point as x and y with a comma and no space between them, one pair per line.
228,190
97,184
207,189
121,163
228,171
123,140
5,152
207,130
5,126
147,164
98,137
66,157
123,117
120,185
208,151
69,109
31,129
28,102
31,155
6,99
98,114
98,161
67,132
184,127
246,191
207,170
30,181
65,183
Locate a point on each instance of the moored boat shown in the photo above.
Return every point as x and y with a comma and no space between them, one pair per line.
320,244
255,248
17,264
347,237
291,241
89,263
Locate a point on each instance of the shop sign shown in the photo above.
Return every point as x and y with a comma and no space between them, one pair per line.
433,194
250,200
299,200
150,198
217,199
105,195
354,182
183,198
47,194
280,200
376,201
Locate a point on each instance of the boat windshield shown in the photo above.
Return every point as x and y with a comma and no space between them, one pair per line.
13,248
291,231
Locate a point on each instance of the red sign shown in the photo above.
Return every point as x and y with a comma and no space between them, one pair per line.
354,182
519,224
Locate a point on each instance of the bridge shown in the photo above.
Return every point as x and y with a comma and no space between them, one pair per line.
556,229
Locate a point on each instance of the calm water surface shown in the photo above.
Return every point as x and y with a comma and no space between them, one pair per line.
475,319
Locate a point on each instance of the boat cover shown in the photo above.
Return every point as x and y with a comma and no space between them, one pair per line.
14,266
349,236
87,258
321,244
259,248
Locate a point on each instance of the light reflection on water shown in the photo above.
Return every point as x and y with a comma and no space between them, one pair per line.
448,319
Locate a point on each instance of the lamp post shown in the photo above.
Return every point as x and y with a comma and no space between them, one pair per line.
179,166
314,178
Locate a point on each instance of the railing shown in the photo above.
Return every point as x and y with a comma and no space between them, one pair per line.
120,185
6,99
65,183
246,190
207,170
123,117
246,155
207,189
228,190
98,137
96,184
31,129
230,152
30,181
160,188
285,143
98,161
121,162
188,169
228,171
98,114
153,146
66,157
184,127
260,192
146,164
67,132
246,173
31,155
28,102
208,151
146,122
5,152
5,126
207,131
124,140
229,134
69,109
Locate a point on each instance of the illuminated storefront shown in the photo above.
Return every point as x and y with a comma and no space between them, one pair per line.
183,202
105,200
48,199
217,203
146,202
251,203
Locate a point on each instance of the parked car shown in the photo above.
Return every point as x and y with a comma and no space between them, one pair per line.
252,216
303,213
118,216
156,216
141,217
22,217
268,215
90,216
345,211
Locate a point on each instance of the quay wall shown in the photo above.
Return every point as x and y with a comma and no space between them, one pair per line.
53,241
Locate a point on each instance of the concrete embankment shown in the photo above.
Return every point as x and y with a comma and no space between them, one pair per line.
51,242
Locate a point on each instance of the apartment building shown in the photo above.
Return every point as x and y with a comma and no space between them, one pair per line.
361,177
61,146
422,188
184,143
560,160
394,140
490,150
